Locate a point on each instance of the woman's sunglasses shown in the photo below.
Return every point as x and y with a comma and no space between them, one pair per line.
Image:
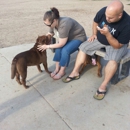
50,24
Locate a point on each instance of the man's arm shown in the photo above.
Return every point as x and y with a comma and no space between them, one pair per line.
95,28
112,41
94,32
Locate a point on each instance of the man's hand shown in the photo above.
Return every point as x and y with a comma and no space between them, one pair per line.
104,30
92,38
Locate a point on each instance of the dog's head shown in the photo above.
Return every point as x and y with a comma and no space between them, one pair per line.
44,40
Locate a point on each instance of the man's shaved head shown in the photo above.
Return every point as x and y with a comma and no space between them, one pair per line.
114,11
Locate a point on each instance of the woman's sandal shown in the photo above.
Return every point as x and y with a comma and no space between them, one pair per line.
53,74
99,95
65,80
58,76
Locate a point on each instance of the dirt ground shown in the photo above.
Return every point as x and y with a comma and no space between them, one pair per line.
21,21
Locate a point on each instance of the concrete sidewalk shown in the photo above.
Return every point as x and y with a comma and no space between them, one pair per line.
54,105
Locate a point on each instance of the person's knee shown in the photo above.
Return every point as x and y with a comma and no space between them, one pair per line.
112,63
65,52
81,53
58,50
81,57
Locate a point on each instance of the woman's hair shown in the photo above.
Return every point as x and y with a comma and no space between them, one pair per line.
51,14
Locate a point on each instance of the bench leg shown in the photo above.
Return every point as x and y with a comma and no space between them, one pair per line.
120,69
125,70
121,73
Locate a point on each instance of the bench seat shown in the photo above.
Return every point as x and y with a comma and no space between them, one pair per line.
123,66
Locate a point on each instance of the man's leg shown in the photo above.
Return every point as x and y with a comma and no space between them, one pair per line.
81,57
110,70
113,56
84,48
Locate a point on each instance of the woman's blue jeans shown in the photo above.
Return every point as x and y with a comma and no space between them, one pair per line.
62,55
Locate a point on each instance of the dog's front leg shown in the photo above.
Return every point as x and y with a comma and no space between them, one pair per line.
39,68
46,68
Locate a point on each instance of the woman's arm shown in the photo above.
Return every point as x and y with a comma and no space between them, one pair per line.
62,42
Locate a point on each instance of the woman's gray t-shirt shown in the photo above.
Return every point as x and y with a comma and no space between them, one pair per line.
70,28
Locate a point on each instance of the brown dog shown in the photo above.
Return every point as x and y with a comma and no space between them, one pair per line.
89,61
30,58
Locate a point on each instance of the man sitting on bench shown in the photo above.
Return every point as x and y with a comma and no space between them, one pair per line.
111,30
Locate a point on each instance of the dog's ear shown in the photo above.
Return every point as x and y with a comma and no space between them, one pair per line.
49,37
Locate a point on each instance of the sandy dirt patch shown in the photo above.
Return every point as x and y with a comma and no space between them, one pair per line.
21,20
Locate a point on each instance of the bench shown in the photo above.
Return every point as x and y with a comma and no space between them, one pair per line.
123,67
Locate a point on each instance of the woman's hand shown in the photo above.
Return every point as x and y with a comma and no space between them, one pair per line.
92,38
42,47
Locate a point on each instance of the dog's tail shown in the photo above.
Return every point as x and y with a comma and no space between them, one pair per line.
13,68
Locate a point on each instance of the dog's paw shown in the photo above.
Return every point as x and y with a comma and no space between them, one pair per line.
26,86
19,82
50,72
99,75
40,71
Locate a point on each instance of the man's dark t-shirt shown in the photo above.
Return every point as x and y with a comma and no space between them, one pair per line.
119,30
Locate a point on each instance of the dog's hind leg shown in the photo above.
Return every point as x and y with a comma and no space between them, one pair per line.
18,78
23,73
82,67
99,67
23,80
